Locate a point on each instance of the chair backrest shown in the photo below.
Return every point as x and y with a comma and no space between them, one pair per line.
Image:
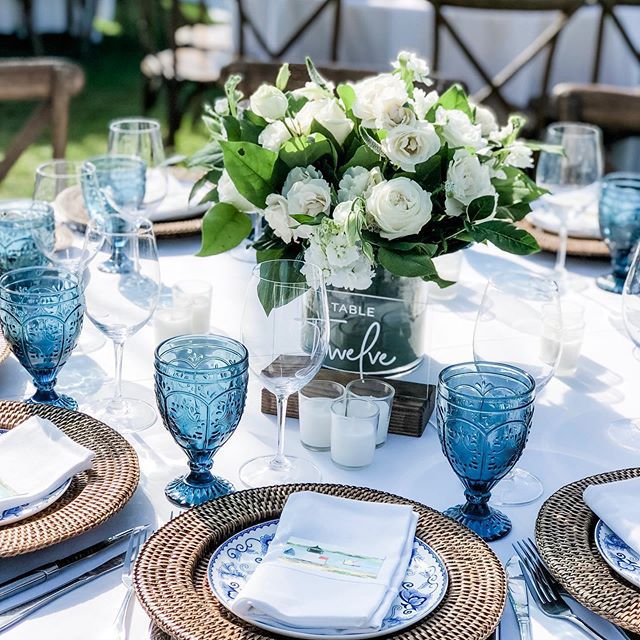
53,82
247,24
492,90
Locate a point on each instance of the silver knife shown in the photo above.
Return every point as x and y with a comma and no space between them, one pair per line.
16,614
519,597
43,573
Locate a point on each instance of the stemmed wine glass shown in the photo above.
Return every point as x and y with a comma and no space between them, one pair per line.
571,177
519,323
59,182
626,432
142,138
285,328
120,301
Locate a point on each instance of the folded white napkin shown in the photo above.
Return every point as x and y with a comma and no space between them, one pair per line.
36,458
617,504
334,564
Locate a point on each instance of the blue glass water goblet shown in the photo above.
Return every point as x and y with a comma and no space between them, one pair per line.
484,413
20,220
201,388
41,313
619,216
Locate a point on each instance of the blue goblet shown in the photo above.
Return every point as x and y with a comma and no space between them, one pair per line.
20,222
484,413
201,388
619,216
41,312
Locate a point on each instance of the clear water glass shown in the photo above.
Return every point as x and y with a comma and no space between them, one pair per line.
314,410
619,216
484,412
380,393
142,138
21,221
201,388
41,313
120,301
519,323
572,179
285,327
354,430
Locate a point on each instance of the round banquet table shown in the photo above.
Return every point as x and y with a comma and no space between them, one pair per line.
569,438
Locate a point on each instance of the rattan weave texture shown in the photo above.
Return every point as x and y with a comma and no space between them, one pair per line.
565,538
5,349
94,495
171,584
579,247
177,228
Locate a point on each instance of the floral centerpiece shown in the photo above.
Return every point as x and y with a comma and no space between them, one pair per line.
370,181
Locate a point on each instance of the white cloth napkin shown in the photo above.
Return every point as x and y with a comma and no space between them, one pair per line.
367,545
36,458
617,504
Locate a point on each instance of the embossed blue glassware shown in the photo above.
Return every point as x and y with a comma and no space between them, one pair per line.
484,412
201,388
19,220
619,216
41,312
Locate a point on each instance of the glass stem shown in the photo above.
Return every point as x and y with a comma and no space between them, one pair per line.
117,402
280,461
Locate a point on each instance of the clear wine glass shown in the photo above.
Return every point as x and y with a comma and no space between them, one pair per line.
572,179
626,432
519,323
59,183
285,328
120,301
142,138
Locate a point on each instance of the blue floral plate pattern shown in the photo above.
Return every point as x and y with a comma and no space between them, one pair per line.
28,509
617,554
423,588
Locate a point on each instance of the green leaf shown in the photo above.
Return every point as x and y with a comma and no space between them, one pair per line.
363,157
232,127
252,169
283,76
371,142
481,208
302,218
515,212
304,150
516,187
279,285
429,173
223,228
241,130
505,236
209,156
254,118
455,98
296,103
410,265
534,145
276,253
315,75
316,127
347,95
232,93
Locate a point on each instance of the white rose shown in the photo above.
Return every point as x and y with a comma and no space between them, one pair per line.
274,135
458,130
399,207
408,146
276,214
519,155
299,174
377,97
309,198
228,193
467,179
422,102
269,102
418,67
313,91
395,118
357,182
327,113
341,212
487,120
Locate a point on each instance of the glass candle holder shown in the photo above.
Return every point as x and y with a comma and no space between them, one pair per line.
354,427
20,221
573,324
379,392
195,295
170,320
201,389
484,413
314,408
619,216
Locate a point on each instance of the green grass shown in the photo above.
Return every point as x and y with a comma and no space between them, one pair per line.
113,89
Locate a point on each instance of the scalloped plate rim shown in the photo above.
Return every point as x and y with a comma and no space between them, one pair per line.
602,530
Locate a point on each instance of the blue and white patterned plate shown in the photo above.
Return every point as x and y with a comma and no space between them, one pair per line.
617,554
28,509
422,590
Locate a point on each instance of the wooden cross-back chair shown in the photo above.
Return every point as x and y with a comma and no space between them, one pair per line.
53,82
492,90
246,23
608,15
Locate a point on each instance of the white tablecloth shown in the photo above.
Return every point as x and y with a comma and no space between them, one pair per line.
373,31
569,437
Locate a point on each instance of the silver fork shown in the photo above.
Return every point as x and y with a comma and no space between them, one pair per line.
137,539
544,588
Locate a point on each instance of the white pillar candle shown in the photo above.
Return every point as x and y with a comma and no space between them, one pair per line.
169,322
315,422
195,295
381,394
353,436
200,314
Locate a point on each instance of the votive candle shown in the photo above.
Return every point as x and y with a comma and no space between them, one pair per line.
354,425
314,409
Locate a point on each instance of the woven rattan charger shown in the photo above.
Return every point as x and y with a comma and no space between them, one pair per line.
565,537
5,349
93,496
578,247
170,576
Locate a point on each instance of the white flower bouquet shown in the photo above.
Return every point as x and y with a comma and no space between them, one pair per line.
379,173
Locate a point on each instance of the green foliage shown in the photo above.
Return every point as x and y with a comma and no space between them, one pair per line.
305,150
505,236
223,228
